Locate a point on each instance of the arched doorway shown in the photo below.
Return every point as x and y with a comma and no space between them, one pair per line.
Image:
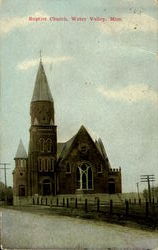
46,187
21,190
111,184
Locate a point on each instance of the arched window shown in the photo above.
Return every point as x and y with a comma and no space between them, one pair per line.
18,163
84,177
78,178
24,163
89,178
84,181
52,164
49,164
46,165
49,145
40,165
42,142
84,167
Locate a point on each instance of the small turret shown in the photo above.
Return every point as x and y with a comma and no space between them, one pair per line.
21,156
20,171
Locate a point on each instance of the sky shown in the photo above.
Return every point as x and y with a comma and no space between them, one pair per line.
102,74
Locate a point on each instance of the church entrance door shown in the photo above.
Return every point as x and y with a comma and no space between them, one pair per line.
111,188
46,187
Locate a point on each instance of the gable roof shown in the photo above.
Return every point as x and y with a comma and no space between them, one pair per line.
21,152
64,148
41,90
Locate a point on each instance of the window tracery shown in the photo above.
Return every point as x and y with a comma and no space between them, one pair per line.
84,177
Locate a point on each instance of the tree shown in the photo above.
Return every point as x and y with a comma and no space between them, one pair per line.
6,193
154,192
145,194
2,191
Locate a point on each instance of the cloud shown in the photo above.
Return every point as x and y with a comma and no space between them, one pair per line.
25,65
130,23
11,23
130,94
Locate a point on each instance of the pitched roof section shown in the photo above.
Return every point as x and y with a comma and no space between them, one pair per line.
41,90
101,148
21,152
64,148
67,145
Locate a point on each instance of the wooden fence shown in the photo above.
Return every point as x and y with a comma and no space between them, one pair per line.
127,209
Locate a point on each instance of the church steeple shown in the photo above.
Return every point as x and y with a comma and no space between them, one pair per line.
41,90
42,153
42,105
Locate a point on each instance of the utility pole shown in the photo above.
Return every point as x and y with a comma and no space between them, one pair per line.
5,172
148,178
138,190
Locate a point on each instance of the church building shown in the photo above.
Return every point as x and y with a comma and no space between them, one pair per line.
77,166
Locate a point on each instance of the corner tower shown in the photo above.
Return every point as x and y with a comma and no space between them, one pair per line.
43,139
20,172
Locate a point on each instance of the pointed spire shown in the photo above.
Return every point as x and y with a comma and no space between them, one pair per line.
83,129
41,90
21,152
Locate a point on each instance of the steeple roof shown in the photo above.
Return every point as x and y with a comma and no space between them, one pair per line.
41,90
21,152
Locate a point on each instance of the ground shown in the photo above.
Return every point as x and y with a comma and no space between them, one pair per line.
22,229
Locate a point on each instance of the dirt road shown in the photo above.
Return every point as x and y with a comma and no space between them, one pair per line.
22,229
